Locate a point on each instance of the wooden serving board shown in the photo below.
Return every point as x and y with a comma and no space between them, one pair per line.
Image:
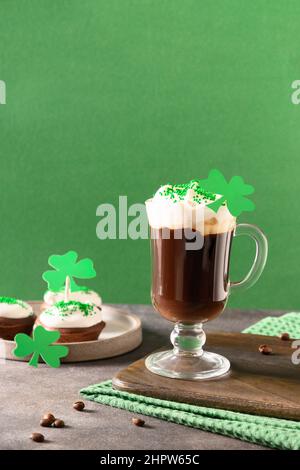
256,384
121,334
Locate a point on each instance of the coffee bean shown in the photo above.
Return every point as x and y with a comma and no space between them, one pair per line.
265,349
46,423
58,423
50,417
78,405
37,437
285,336
138,422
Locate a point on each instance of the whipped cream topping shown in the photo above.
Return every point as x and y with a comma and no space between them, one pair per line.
71,314
14,308
84,296
187,206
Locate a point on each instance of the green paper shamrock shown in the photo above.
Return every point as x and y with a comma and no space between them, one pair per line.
233,193
40,345
67,265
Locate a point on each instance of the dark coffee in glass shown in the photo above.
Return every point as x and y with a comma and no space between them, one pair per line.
190,285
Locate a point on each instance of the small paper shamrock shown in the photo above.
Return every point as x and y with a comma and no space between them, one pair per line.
233,193
67,265
40,345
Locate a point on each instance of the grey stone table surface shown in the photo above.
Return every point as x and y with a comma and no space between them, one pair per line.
27,393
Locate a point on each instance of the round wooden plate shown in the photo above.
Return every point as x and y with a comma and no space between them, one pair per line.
122,333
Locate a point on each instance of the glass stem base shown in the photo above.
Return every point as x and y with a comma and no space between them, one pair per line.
187,360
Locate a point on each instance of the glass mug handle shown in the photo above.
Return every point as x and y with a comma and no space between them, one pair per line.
260,258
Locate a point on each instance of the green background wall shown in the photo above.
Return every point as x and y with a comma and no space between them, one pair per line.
115,97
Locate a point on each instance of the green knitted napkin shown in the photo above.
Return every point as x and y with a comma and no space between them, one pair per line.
270,432
274,326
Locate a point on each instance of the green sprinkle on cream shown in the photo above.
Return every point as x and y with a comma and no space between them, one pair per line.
67,308
12,301
178,192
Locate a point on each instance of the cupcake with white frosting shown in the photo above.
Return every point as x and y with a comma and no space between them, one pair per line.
83,296
16,316
76,321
